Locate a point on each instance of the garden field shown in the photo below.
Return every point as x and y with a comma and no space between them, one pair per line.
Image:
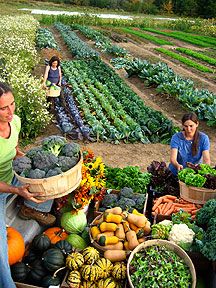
127,86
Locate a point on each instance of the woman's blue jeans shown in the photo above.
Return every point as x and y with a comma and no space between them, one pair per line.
6,280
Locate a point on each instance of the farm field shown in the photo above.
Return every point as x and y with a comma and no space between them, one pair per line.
140,154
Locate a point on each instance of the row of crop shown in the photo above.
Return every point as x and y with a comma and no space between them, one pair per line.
102,42
45,39
77,47
160,75
148,37
18,57
185,60
112,110
198,40
197,55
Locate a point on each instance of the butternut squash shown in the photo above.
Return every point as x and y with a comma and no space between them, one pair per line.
115,210
95,231
147,228
139,221
98,221
117,246
110,233
137,212
115,255
106,240
120,232
126,226
132,239
104,227
126,247
112,218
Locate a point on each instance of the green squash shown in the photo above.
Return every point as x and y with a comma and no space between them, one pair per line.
41,242
53,259
38,271
31,257
50,280
64,246
19,271
76,241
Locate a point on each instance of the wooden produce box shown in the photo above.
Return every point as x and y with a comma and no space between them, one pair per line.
23,285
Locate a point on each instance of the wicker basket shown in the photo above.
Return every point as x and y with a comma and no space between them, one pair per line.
178,250
196,195
53,93
55,186
94,243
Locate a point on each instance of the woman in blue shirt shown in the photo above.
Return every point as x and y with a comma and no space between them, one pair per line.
53,72
190,145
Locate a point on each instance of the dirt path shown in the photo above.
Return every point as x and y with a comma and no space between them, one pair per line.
139,154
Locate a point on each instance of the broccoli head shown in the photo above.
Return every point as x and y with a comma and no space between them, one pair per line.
71,150
126,192
109,200
54,144
139,199
22,165
36,174
33,152
53,172
44,160
126,203
66,163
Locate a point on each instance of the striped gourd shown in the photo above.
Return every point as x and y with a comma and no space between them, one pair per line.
90,255
74,261
90,272
107,283
119,271
105,267
74,279
88,284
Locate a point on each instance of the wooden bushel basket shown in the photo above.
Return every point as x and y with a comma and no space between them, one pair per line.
197,195
171,246
55,186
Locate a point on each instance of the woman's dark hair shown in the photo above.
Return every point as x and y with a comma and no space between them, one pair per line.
4,88
53,59
193,117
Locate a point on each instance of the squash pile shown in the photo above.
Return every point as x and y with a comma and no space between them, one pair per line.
89,270
116,232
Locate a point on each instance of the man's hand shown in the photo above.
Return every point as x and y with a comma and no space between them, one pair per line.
24,192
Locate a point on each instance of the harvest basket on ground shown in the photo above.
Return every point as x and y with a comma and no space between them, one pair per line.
196,195
169,245
55,186
53,91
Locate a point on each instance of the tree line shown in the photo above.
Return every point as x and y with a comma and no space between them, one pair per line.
191,8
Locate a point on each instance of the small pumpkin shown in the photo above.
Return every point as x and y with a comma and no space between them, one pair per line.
37,272
19,271
64,246
74,279
74,261
53,259
16,245
41,242
56,234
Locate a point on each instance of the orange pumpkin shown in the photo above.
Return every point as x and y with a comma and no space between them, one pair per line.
16,245
56,234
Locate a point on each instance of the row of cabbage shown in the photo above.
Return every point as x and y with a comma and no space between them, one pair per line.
201,101
18,57
111,110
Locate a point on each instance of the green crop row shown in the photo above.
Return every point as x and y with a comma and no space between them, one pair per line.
147,36
197,55
185,60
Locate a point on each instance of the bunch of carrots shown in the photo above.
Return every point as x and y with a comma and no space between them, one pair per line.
169,204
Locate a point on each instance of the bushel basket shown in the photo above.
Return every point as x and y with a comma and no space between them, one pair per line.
55,186
197,195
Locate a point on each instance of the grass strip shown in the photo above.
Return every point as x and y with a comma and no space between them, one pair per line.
185,60
147,36
197,55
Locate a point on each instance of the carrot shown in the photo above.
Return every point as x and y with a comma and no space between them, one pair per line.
171,197
185,209
159,210
170,211
157,203
163,208
168,206
193,217
193,212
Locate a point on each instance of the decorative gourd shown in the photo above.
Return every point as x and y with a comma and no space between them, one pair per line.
37,271
19,271
107,283
105,267
53,259
55,234
74,279
74,261
16,245
119,271
88,284
90,272
90,255
41,242
64,246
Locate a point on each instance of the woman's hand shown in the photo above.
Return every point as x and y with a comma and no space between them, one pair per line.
179,167
24,192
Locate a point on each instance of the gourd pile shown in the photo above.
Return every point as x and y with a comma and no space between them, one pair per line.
116,232
89,270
